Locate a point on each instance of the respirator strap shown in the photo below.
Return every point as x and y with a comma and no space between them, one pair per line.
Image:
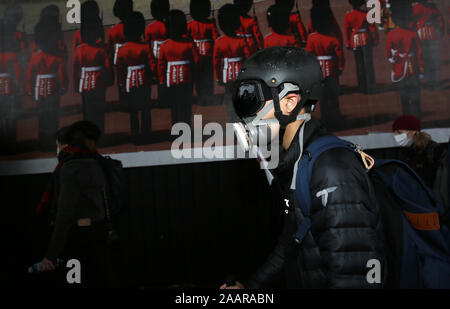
307,118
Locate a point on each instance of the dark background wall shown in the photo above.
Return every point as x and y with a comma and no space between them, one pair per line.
186,225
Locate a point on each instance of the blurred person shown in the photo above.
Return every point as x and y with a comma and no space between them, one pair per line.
230,51
12,16
47,79
330,55
278,20
89,12
325,4
92,72
249,26
79,228
177,64
404,51
296,26
155,35
430,26
361,37
203,31
136,69
418,149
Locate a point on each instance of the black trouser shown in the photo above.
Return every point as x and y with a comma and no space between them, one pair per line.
228,101
8,119
138,104
48,112
329,105
88,245
94,107
364,68
204,82
180,98
431,58
409,89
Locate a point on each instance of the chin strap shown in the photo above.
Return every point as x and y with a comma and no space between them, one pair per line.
307,118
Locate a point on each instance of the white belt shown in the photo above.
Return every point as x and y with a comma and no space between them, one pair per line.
130,70
245,35
4,75
38,79
362,30
324,57
83,72
203,41
405,69
116,51
173,63
227,61
155,48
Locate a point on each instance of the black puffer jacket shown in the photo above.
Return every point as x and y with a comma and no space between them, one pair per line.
346,233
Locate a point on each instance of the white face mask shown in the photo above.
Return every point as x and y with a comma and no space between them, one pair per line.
403,140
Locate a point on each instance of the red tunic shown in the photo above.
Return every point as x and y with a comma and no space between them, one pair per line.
249,30
10,74
229,53
114,40
91,68
404,51
335,32
275,39
135,66
46,75
358,32
177,62
297,28
155,35
428,22
329,53
62,50
204,35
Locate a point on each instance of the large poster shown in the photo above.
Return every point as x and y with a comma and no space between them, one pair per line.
368,94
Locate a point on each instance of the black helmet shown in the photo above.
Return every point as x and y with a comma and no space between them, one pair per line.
160,9
13,14
322,19
134,26
229,19
278,18
243,6
356,3
402,13
123,8
89,11
288,4
263,75
321,3
200,9
176,24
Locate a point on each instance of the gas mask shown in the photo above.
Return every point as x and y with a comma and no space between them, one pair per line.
403,140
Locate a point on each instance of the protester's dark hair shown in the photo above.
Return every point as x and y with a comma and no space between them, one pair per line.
229,20
322,20
200,10
288,4
79,133
89,11
176,24
160,9
91,31
62,135
278,18
243,6
123,8
134,27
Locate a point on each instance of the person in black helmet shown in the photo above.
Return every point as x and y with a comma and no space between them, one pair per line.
276,90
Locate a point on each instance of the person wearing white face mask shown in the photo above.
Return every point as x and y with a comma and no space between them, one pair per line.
419,151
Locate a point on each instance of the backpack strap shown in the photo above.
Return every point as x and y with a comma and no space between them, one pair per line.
303,179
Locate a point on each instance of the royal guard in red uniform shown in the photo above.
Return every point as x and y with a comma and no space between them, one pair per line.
278,20
136,68
11,85
203,31
360,37
115,37
296,26
47,80
330,55
229,53
177,64
249,26
51,16
92,72
404,51
336,30
430,26
89,11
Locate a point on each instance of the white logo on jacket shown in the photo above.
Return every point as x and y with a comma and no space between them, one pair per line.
324,194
